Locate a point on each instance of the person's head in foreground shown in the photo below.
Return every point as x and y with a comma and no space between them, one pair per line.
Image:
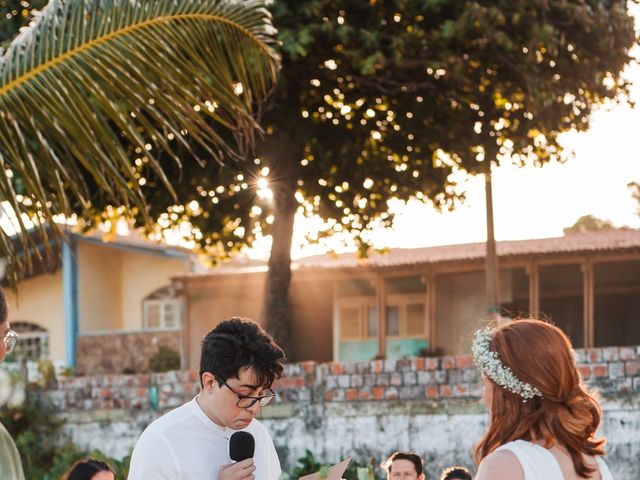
404,466
456,473
8,336
238,365
91,469
534,392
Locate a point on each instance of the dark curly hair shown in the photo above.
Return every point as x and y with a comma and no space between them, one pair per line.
456,473
410,456
238,343
86,469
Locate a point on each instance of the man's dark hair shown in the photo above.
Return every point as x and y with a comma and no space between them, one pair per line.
237,343
412,457
86,469
4,308
456,473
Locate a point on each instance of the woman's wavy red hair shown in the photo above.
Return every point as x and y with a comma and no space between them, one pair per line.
541,354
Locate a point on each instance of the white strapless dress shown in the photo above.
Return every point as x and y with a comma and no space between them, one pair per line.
540,464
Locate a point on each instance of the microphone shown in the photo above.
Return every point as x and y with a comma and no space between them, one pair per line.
241,446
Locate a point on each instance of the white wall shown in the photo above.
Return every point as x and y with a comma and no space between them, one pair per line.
99,288
443,435
113,283
142,274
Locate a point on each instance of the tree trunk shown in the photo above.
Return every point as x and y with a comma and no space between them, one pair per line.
276,312
492,273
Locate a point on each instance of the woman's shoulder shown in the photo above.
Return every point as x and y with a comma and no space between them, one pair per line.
501,464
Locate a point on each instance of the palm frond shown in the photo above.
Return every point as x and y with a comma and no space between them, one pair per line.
89,76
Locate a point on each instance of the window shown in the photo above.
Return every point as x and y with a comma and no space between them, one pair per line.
415,322
372,322
349,322
393,321
162,314
617,303
34,341
561,299
162,309
406,317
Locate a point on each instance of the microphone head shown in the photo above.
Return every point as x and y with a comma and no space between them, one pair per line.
241,446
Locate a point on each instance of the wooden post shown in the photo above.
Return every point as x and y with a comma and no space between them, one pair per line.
430,309
492,273
588,303
381,295
534,289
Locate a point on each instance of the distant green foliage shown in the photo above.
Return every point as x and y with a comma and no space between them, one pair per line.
589,223
164,360
429,352
45,451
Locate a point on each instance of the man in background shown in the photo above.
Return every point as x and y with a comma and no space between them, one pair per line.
456,473
404,466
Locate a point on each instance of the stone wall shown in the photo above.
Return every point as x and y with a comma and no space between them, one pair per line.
122,352
367,409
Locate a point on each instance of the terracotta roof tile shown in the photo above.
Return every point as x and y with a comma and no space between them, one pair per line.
577,243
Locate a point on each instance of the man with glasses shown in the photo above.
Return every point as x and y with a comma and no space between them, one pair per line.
238,364
10,465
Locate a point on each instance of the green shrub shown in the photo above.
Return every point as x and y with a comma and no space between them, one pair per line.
164,360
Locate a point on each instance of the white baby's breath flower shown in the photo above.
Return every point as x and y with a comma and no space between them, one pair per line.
489,363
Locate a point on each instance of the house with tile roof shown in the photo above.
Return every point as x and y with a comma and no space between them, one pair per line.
426,301
99,304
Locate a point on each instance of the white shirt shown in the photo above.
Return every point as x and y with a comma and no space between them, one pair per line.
538,463
185,444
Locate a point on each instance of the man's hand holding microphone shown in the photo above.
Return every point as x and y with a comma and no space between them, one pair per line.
241,450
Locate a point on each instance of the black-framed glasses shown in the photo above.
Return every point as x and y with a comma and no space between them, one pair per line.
10,338
247,401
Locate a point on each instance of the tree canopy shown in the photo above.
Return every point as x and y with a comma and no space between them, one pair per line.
589,223
385,99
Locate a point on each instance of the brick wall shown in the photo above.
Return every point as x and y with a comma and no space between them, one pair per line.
120,352
612,370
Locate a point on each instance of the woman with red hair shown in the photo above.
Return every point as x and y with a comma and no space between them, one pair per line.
543,421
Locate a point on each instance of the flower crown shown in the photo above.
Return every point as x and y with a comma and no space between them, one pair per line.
489,363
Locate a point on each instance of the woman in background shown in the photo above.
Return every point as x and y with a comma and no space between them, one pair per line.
543,421
91,469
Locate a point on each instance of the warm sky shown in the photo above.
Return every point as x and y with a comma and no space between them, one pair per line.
531,202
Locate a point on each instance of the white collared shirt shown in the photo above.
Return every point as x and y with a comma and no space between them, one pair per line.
184,444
